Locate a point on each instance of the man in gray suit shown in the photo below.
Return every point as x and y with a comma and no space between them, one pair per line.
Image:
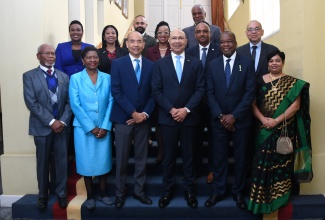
199,14
46,96
254,33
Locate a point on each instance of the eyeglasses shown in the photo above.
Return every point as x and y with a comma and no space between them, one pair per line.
163,32
48,53
257,29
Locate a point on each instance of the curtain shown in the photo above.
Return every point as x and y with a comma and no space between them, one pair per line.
217,14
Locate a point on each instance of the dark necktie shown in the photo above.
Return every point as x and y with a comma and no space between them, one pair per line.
137,70
52,83
179,68
204,56
227,72
254,52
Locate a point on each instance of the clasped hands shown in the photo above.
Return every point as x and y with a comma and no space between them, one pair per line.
137,118
227,121
57,126
99,132
178,114
269,123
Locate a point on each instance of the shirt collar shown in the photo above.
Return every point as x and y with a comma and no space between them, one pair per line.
207,46
174,55
232,57
45,68
258,44
132,58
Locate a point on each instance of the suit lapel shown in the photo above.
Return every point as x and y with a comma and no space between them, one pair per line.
40,75
235,69
187,62
262,55
87,80
170,65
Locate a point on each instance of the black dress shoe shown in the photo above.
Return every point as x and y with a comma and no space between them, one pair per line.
191,200
165,200
240,201
212,200
119,201
63,202
144,199
42,203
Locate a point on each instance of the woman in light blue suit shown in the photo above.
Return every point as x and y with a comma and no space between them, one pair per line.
91,102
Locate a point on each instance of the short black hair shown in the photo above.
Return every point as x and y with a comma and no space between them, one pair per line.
162,23
76,22
87,49
104,43
274,53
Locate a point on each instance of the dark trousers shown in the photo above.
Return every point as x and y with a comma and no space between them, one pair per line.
171,135
55,145
221,139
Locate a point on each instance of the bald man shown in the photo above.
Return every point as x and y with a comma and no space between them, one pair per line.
178,88
133,105
198,15
254,33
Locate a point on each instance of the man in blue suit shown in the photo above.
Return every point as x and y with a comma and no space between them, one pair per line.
47,98
178,88
230,89
205,51
133,105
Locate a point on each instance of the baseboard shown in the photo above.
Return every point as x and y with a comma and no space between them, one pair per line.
7,200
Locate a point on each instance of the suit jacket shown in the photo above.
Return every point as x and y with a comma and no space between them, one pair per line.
238,97
83,95
213,52
190,35
38,101
128,94
65,61
105,62
262,67
169,93
149,42
153,53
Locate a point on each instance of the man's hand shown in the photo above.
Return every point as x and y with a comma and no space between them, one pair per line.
227,121
138,117
178,114
57,126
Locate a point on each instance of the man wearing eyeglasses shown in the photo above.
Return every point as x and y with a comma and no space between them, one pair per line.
178,88
198,15
46,97
256,48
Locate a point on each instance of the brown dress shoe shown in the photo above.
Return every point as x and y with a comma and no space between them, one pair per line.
210,177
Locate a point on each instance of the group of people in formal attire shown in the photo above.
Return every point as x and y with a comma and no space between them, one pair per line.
181,82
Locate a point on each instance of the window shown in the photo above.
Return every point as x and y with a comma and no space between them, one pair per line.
267,12
232,7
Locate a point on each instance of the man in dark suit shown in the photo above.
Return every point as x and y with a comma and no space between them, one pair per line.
178,87
133,104
254,33
140,24
199,14
46,96
205,51
230,89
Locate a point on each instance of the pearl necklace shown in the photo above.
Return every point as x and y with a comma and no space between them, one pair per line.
162,49
275,87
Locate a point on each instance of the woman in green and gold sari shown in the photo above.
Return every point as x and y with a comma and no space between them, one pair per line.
279,96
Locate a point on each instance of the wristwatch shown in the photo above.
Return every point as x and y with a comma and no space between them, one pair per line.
220,116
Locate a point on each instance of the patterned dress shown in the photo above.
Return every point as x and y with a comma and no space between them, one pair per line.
273,173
